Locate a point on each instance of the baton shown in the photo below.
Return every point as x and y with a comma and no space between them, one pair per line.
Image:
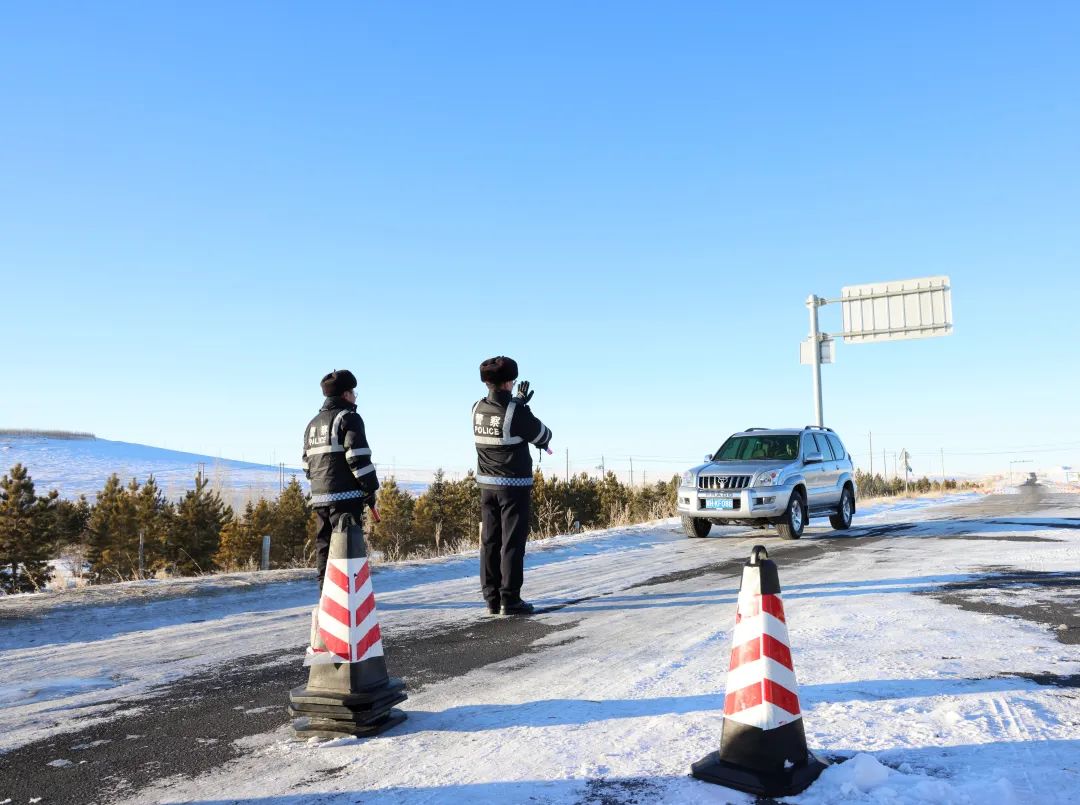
375,515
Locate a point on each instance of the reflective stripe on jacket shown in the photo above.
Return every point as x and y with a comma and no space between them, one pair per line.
336,457
503,430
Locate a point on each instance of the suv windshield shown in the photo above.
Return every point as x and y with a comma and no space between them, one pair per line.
759,448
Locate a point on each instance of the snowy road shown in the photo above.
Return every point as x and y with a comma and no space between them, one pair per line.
937,645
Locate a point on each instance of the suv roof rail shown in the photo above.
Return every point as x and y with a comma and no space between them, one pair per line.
819,427
747,430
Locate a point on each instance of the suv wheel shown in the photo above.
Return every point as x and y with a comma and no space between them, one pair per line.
793,522
696,527
841,521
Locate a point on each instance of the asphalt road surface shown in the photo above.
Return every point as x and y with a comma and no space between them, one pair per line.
189,727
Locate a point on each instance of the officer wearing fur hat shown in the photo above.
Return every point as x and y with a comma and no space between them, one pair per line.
503,429
337,461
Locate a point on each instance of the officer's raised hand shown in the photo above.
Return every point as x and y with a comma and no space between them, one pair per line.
523,393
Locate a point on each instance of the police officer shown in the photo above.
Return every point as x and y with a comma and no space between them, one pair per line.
503,428
337,461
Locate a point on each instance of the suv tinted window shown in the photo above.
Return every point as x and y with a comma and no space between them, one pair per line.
824,447
837,447
759,448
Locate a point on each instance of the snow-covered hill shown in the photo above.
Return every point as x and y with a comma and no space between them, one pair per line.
80,466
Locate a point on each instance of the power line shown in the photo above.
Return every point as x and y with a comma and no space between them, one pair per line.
934,453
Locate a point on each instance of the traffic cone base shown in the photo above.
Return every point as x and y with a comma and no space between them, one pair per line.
315,727
785,782
322,701
349,691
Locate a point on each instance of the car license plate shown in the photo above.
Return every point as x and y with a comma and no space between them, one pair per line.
719,503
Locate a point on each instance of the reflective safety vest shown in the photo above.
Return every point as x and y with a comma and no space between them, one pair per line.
503,429
336,457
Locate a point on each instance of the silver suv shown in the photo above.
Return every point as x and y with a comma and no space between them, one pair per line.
765,477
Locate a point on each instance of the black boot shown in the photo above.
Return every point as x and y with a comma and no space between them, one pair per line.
494,607
518,608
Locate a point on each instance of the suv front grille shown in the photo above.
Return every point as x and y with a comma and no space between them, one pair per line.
723,481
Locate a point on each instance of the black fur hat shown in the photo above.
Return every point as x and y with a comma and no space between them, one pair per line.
498,370
338,382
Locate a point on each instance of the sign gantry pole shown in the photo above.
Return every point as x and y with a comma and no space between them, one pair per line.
813,303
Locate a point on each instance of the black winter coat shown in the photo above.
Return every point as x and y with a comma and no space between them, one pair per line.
503,429
337,458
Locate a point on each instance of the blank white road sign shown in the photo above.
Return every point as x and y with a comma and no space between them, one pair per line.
806,350
889,311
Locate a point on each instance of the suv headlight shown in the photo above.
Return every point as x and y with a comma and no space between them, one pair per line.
688,478
767,478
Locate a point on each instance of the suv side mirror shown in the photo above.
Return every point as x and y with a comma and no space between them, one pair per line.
708,456
813,458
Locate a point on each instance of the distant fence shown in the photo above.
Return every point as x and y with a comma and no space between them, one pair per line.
47,434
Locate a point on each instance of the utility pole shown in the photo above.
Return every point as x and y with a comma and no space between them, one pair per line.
631,470
812,303
871,435
568,465
943,469
884,465
1017,461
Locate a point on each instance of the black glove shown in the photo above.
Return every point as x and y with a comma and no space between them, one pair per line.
370,499
523,393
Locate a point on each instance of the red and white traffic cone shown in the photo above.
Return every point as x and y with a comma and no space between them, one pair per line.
349,690
763,745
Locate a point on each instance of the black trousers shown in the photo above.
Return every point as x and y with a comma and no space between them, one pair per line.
504,514
327,517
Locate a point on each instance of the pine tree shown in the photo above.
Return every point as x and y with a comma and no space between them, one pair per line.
24,549
433,514
260,523
153,514
293,527
113,533
463,503
196,529
583,496
549,512
394,535
47,509
614,501
65,522
241,537
97,531
653,501
71,521
233,548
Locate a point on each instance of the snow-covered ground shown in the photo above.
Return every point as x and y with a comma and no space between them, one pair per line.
925,693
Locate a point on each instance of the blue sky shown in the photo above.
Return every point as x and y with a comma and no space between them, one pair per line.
207,206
